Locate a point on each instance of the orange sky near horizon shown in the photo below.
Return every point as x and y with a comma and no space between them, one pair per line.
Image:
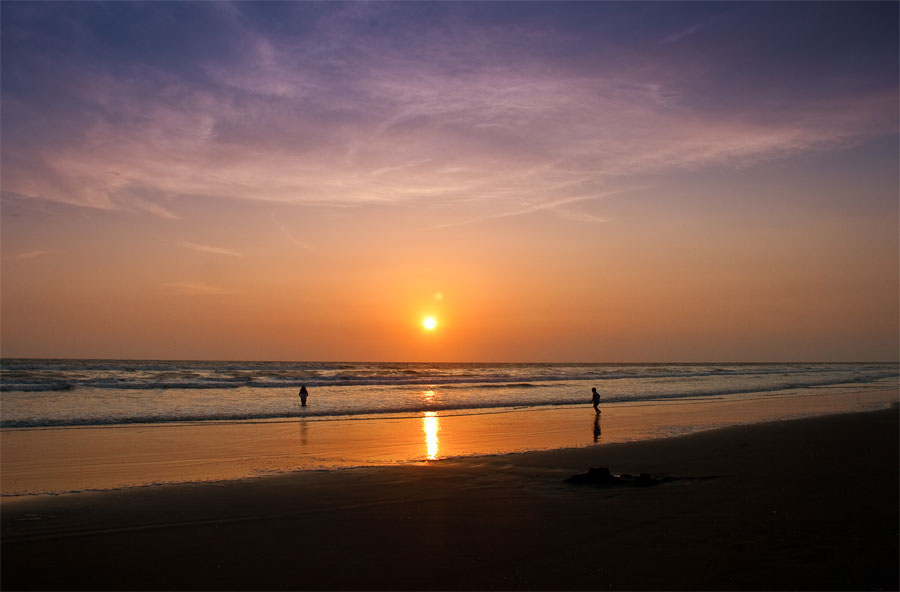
667,286
579,182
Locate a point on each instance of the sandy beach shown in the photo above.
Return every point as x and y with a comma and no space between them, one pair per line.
798,504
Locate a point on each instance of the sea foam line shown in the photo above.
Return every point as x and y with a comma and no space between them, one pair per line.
168,418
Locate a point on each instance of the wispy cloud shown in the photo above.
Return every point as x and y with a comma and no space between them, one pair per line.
293,239
558,207
197,289
678,36
342,115
583,217
149,206
33,254
211,250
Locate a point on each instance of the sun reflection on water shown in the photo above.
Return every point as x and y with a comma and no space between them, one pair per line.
431,425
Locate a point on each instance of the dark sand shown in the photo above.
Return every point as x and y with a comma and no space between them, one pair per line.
803,504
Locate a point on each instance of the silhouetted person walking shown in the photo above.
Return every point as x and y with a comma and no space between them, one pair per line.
595,399
303,394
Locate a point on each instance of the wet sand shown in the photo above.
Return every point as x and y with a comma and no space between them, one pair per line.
807,504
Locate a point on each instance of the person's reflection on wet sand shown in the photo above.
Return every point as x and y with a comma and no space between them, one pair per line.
596,428
304,432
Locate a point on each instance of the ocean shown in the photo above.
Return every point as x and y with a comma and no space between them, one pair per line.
44,393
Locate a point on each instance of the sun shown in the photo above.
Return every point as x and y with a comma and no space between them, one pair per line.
430,323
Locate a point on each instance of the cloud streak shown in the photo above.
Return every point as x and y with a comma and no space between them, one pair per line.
558,207
27,255
676,37
212,250
197,289
294,240
348,116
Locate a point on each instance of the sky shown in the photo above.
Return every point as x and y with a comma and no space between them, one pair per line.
581,182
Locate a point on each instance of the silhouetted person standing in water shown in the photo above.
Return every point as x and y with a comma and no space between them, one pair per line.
595,399
303,394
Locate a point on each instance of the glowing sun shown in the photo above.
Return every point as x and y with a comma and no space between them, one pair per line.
429,323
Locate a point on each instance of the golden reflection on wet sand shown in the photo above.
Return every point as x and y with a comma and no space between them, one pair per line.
431,425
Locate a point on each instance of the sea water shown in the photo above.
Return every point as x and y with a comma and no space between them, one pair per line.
43,393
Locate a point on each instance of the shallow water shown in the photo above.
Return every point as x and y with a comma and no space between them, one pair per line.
42,393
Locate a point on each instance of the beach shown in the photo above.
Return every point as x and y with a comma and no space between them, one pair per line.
442,295
806,503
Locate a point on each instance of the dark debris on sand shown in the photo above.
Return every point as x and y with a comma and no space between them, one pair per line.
601,477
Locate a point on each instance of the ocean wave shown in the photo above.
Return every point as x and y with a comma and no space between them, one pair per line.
161,377
35,387
347,382
362,412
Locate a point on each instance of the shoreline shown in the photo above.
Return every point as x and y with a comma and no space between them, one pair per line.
793,504
38,461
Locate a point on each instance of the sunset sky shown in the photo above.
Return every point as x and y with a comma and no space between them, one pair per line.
592,181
